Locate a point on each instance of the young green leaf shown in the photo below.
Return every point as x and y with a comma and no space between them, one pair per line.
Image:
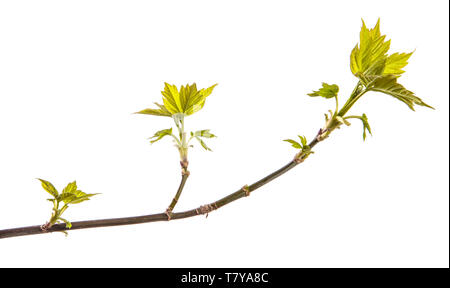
66,197
372,48
396,62
171,99
366,126
294,143
187,100
203,143
49,188
203,133
70,188
327,91
209,90
156,112
365,122
388,84
370,60
81,196
303,140
197,102
160,134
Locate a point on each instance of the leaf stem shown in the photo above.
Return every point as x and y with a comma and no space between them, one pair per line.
353,117
337,105
357,93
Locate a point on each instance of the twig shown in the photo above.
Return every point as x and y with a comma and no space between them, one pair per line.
184,176
204,209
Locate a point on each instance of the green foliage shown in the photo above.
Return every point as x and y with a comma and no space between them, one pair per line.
372,48
327,91
187,100
203,144
366,125
202,134
49,187
379,71
160,134
177,104
302,145
388,84
365,122
69,195
396,62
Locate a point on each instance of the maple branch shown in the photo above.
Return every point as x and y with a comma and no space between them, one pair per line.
202,210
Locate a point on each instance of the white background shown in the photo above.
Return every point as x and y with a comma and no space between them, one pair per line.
72,73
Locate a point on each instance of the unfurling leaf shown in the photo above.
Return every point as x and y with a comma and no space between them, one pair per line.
327,91
66,197
203,133
171,99
303,140
187,100
365,122
155,112
366,126
160,134
379,71
69,195
396,62
294,143
196,103
388,84
49,188
203,143
372,48
370,59
81,196
70,188
302,145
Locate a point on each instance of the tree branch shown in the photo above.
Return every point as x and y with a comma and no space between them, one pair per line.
204,209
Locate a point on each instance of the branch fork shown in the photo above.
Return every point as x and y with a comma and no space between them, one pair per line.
45,227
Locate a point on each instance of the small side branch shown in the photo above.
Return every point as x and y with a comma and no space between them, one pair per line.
184,176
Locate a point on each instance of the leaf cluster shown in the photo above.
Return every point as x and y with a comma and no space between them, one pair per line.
377,70
198,135
187,100
327,91
179,103
302,145
69,195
